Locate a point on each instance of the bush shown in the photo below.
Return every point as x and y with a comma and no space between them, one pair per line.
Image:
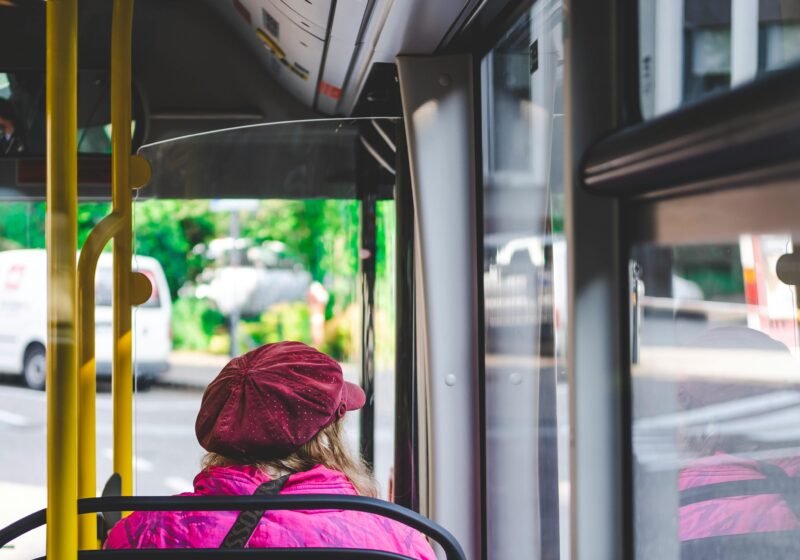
194,323
285,321
340,341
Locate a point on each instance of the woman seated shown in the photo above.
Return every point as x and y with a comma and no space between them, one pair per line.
272,422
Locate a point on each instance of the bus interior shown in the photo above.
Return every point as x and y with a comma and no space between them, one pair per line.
552,240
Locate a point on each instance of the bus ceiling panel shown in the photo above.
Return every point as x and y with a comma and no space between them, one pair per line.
186,59
279,59
753,127
22,35
410,27
305,47
191,62
293,160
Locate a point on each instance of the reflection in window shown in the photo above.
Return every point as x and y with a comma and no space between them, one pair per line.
779,44
524,279
689,49
22,113
5,86
708,61
716,400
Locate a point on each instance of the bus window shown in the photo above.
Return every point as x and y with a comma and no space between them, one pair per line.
524,289
23,331
692,48
716,397
256,251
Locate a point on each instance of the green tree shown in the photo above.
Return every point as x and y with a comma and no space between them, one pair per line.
168,230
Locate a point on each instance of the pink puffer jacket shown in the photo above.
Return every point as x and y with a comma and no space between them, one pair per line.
738,514
277,529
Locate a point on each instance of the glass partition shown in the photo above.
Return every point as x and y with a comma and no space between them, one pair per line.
23,336
258,232
524,290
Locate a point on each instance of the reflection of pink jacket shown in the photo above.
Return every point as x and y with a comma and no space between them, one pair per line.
734,515
277,529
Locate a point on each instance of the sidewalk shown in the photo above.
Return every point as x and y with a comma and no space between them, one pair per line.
192,370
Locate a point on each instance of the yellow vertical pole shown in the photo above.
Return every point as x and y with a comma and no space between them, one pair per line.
87,373
62,243
87,396
122,383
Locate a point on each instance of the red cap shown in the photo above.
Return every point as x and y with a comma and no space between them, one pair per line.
271,400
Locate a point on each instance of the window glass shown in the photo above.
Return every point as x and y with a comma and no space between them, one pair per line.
716,398
384,321
239,274
23,328
283,261
692,48
524,288
5,86
23,119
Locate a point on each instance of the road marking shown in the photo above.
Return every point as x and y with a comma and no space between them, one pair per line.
13,419
178,484
139,464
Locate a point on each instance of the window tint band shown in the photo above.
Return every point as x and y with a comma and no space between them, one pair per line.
749,128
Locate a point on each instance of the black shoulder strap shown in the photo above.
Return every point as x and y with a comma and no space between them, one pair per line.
246,523
777,481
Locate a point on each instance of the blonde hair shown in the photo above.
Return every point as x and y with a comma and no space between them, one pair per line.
327,448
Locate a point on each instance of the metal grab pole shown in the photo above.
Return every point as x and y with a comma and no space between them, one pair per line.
62,243
122,368
87,372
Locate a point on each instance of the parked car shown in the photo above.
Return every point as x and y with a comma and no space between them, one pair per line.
23,318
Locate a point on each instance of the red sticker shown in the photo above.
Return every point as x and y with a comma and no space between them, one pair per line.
330,90
242,11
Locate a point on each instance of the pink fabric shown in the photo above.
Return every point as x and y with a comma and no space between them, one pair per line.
277,529
735,515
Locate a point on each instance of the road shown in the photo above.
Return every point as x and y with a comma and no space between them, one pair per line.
166,451
167,455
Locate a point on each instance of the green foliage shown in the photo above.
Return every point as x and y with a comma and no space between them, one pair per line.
339,336
89,215
194,323
22,224
286,321
168,230
321,235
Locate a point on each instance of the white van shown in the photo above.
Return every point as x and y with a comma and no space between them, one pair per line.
23,317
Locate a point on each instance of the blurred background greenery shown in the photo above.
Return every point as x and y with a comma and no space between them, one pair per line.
318,236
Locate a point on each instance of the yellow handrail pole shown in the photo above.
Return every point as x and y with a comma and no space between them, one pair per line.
122,381
87,373
62,243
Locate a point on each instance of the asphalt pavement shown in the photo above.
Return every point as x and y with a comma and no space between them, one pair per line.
167,455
